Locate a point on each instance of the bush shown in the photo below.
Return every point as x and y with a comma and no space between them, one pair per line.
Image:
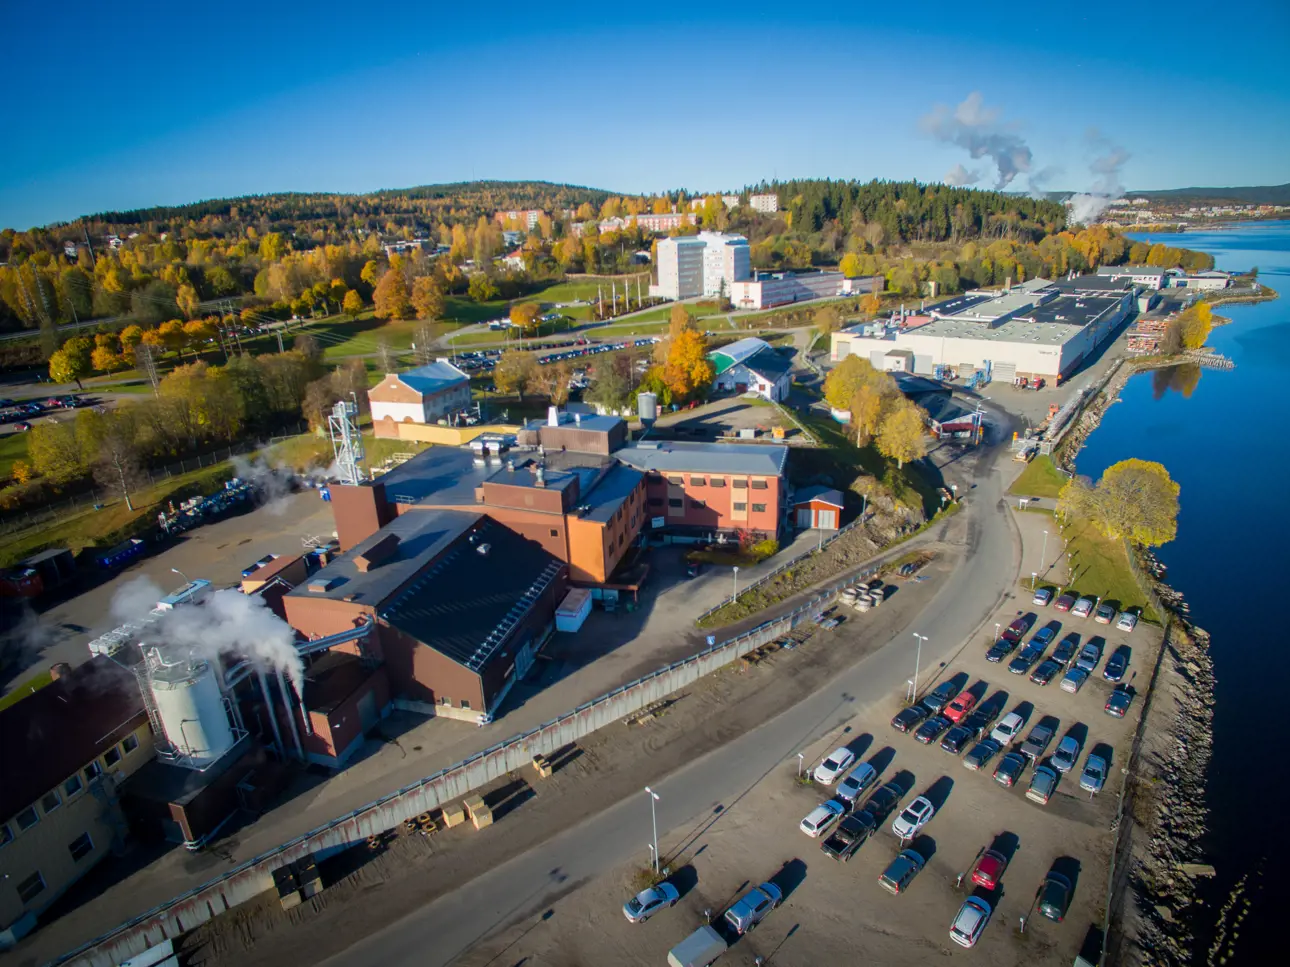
764,549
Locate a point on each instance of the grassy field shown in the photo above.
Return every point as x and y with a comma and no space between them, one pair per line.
1100,567
13,446
1041,478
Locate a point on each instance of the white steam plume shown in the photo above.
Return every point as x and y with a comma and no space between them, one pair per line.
273,481
1106,188
958,176
977,129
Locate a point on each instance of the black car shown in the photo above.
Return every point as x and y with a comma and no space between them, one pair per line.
982,753
1045,672
941,696
957,738
909,718
1066,649
1055,896
1000,650
881,803
1026,658
1117,665
931,730
1009,769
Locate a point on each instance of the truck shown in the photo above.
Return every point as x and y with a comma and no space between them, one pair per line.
699,949
848,837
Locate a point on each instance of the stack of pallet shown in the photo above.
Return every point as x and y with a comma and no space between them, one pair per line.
478,811
297,881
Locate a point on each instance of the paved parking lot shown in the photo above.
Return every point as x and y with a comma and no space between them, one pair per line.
836,911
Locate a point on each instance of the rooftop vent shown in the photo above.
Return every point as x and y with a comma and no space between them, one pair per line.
483,549
382,550
321,586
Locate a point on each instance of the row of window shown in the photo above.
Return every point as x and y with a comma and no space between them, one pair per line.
34,885
737,507
70,788
718,482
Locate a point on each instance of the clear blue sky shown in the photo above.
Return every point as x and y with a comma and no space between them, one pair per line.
113,106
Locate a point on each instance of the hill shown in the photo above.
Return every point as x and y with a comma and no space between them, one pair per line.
1254,195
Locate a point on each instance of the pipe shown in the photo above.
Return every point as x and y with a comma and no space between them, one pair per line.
291,714
273,718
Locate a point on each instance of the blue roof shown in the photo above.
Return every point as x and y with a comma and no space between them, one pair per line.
436,376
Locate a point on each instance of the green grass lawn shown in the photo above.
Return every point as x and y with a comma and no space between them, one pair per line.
1041,478
1100,567
13,446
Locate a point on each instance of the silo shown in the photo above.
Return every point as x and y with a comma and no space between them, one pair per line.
191,709
647,406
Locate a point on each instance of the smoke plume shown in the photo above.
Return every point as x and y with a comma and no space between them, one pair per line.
1106,188
958,176
272,481
978,130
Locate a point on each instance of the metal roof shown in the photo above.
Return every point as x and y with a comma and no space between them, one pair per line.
736,353
432,378
770,364
822,494
758,459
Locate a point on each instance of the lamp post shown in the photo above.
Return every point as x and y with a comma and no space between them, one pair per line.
187,579
801,761
736,576
918,656
653,798
997,626
1043,553
1033,576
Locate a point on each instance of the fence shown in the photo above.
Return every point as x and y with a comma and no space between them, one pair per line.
255,876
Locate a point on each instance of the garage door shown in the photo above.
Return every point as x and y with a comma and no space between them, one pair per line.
828,519
804,517
1003,372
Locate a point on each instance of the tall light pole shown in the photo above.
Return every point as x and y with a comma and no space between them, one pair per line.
997,626
175,570
653,798
918,657
1043,554
1033,576
735,597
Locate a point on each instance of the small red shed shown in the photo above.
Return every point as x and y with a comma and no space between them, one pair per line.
817,507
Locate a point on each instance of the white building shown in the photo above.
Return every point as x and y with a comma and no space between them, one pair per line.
1147,275
1205,281
767,289
752,366
420,395
769,204
704,264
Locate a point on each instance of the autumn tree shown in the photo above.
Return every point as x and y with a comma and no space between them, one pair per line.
482,288
514,372
427,297
54,452
850,265
131,336
198,333
868,407
846,378
871,304
688,371
391,297
187,300
105,360
1135,500
678,321
1195,324
73,362
525,314
901,435
108,441
552,381
826,319
611,388
352,304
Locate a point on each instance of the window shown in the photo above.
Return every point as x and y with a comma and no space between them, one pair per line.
675,502
656,501
759,485
444,700
698,482
81,847
27,818
50,801
675,481
554,532
465,704
6,834
31,887
759,508
739,508
92,771
72,786
111,757
716,481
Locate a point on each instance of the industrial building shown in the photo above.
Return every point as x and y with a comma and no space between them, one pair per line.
752,365
1037,329
1201,281
1147,276
709,263
583,432
765,290
422,395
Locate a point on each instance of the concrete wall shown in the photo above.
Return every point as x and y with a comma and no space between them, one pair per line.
447,436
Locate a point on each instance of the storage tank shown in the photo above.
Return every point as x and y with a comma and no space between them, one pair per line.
191,709
647,406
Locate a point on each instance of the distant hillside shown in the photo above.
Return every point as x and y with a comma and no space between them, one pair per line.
1255,195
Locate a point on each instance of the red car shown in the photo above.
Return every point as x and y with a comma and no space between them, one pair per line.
1017,630
1065,602
960,707
989,870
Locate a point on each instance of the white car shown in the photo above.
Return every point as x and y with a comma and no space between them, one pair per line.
1066,755
838,762
648,902
853,786
1042,597
913,818
1083,608
1094,775
971,920
821,819
1074,680
1128,621
1008,728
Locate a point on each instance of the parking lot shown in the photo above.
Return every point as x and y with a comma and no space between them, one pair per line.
836,911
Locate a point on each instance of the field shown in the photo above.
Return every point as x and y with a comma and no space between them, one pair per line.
1101,567
1041,478
13,446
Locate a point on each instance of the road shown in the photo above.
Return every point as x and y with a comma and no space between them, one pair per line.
701,794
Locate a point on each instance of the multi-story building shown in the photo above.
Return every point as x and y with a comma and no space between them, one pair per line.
767,289
649,222
768,204
527,217
712,489
421,395
64,750
709,263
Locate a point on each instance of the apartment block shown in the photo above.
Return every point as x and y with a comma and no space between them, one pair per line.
710,263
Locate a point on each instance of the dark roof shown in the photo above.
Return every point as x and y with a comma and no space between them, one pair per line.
915,387
423,536
449,475
467,603
1094,283
941,409
578,421
759,459
50,734
608,494
1072,310
162,782
770,364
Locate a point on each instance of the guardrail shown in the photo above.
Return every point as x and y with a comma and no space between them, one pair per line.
255,876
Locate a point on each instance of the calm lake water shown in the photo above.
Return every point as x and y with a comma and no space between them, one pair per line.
1219,437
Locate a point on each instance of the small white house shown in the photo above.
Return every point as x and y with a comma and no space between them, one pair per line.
752,366
420,395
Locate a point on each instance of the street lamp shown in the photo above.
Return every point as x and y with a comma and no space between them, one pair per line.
187,579
918,655
801,761
1033,575
736,576
653,798
997,626
1043,554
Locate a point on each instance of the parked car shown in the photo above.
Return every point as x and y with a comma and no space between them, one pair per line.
648,902
1074,680
821,819
909,718
882,802
1094,775
1117,665
913,818
1042,785
1018,628
1104,615
1065,602
989,869
22,425
970,922
1066,754
751,908
853,786
1037,742
999,650
848,836
1066,648
1055,896
931,730
1042,597
1045,635
957,738
1090,655
837,762
941,695
962,704
1119,702
1083,608
1026,658
1008,728
980,754
1047,669
1009,769
1128,621
900,872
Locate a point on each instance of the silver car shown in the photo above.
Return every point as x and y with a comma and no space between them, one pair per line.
750,909
1066,755
1094,775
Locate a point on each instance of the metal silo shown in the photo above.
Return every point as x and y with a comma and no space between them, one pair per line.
647,406
191,709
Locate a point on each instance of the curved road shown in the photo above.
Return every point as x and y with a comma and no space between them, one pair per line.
698,795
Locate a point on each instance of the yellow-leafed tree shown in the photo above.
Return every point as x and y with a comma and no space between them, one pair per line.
688,371
901,435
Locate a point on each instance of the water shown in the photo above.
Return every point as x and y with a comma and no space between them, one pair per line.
1218,433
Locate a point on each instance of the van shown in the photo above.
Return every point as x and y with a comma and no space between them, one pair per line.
699,949
900,872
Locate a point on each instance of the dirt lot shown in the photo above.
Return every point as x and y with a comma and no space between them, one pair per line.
724,418
836,912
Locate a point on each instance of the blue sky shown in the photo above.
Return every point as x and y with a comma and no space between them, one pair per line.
116,106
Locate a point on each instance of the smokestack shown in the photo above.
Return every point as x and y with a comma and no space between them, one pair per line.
539,476
553,416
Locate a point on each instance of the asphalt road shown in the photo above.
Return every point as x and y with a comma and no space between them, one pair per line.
699,795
